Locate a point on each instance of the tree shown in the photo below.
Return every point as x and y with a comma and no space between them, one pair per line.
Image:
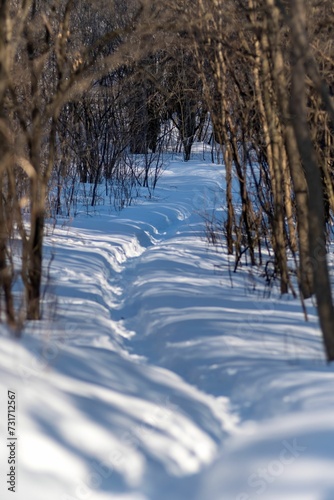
302,61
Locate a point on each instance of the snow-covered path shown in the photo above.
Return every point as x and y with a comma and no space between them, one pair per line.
156,378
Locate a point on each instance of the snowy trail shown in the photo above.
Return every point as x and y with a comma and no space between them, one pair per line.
86,400
156,379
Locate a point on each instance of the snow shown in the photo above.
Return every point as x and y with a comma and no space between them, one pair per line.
158,373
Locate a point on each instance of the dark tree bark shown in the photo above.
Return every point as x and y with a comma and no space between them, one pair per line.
316,214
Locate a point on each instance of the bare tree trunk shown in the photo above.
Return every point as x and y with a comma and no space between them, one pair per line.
6,272
317,240
305,274
229,202
271,127
34,267
288,201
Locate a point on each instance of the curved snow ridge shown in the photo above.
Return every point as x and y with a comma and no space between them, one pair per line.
153,223
118,246
87,272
